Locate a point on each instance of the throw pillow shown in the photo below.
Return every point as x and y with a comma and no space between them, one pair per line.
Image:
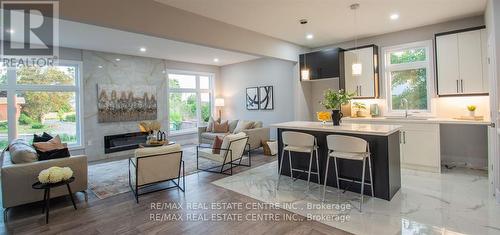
216,145
242,125
22,152
232,125
210,126
52,154
41,138
53,144
257,125
221,127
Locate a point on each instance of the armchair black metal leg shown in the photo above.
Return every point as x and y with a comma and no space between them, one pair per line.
5,214
71,195
183,177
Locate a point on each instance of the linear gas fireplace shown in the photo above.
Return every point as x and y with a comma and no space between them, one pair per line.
122,142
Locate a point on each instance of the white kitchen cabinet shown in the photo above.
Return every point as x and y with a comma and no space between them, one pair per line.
460,60
420,147
366,84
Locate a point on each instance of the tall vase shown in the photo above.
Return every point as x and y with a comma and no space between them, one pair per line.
336,116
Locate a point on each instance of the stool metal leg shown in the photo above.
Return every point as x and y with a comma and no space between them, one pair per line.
371,175
309,172
336,172
362,185
290,161
317,167
47,206
281,168
326,177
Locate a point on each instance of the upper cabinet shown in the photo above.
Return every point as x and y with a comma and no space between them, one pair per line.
461,62
365,84
321,64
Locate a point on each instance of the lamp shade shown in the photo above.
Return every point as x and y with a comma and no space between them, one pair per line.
219,102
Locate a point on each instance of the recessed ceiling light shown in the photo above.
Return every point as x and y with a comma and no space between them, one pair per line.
117,59
142,49
309,36
11,31
394,16
100,66
216,59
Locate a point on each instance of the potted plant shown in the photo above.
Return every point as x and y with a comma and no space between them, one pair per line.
333,100
472,110
359,107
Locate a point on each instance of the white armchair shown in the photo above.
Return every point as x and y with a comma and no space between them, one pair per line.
155,165
231,151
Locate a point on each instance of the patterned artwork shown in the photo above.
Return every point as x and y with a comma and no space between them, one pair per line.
125,103
252,98
266,101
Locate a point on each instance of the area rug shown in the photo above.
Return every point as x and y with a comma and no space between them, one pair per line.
111,178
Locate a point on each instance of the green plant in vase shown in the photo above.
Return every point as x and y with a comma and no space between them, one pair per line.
333,100
359,108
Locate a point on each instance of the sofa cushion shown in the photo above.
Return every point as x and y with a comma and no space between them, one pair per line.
53,144
243,125
22,152
42,138
216,145
211,135
53,154
210,125
257,124
221,127
232,125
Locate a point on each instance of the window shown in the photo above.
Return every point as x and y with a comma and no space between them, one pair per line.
409,77
190,100
46,99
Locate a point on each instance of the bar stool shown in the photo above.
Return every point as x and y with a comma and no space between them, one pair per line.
301,143
349,148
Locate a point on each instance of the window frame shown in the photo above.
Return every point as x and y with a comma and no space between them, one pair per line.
13,89
428,64
197,90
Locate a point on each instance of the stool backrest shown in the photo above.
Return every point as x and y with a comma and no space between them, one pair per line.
348,144
298,139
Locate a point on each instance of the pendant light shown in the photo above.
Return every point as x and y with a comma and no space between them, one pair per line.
304,72
357,67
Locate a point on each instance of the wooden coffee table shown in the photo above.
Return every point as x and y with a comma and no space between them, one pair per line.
154,145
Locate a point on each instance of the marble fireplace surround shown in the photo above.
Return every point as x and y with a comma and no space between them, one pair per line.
454,202
104,68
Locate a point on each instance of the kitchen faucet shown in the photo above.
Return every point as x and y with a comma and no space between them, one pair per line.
404,103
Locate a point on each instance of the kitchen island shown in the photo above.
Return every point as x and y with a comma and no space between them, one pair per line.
384,147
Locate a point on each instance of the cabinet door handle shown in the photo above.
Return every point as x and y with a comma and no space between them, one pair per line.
360,92
457,87
462,84
404,137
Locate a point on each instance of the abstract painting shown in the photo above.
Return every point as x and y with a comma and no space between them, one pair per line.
252,98
117,103
266,98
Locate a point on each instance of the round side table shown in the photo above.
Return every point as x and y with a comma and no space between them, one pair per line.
46,196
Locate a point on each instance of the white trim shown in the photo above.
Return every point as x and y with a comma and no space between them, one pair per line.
428,65
13,88
197,90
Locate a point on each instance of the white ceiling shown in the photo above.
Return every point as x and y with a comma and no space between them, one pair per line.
331,21
91,37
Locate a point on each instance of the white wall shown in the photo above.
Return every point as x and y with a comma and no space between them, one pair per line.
260,72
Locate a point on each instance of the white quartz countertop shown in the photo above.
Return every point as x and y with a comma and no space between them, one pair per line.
396,120
351,128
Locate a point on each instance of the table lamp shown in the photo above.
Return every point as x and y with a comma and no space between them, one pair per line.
219,102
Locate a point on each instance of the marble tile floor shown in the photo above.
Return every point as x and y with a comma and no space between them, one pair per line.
454,202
